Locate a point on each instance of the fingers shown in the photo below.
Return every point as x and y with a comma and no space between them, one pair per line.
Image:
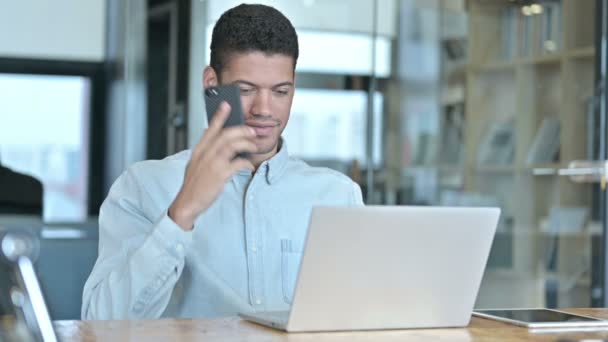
214,129
229,136
219,118
237,146
236,133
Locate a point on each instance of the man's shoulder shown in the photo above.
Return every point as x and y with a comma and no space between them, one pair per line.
170,163
159,172
299,168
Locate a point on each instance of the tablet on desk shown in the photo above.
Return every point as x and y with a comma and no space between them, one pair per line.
541,318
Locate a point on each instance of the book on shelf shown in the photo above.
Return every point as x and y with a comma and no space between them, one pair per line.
562,221
528,31
532,33
454,56
541,30
566,220
425,150
457,198
545,145
452,134
497,147
509,22
551,28
455,49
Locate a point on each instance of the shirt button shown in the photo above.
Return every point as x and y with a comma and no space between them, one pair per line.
251,197
258,301
254,249
179,248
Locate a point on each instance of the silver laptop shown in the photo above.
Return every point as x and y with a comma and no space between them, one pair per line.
388,267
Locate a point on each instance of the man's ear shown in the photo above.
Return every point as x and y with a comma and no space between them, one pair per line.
210,78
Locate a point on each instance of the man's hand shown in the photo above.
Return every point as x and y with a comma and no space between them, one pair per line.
211,165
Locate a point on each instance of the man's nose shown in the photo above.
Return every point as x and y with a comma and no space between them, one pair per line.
261,103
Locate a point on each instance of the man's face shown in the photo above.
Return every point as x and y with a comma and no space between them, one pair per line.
267,89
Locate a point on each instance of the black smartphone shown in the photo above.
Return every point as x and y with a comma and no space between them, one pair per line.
230,93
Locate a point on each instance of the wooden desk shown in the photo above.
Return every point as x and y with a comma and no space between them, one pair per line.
235,329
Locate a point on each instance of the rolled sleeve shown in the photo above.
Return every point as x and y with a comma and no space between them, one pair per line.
140,259
356,196
166,245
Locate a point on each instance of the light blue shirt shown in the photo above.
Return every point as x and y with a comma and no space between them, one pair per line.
242,255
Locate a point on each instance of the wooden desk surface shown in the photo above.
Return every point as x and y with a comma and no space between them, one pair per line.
235,329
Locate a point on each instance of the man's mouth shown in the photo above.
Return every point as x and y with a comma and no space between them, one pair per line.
262,129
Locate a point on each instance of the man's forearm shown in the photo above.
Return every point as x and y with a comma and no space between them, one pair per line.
138,285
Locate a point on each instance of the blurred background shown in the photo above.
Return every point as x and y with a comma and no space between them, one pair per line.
422,102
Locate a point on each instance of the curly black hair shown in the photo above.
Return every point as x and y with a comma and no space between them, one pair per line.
249,28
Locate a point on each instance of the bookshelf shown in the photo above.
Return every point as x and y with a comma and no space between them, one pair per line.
525,71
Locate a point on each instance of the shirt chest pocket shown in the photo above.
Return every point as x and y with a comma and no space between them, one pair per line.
290,264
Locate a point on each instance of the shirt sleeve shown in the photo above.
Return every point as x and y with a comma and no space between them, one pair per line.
356,197
140,258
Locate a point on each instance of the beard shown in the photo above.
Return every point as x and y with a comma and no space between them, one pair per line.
268,144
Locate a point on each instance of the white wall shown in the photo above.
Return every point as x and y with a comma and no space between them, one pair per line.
330,15
59,29
197,118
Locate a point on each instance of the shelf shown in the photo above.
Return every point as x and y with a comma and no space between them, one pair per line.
450,168
507,65
548,59
452,95
543,169
556,58
590,229
495,168
455,70
586,52
420,167
582,281
508,273
445,167
530,87
545,166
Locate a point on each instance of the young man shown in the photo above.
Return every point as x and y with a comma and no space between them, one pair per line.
203,234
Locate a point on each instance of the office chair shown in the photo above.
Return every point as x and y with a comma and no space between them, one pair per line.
19,193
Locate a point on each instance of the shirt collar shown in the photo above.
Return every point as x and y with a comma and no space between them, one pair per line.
277,164
273,168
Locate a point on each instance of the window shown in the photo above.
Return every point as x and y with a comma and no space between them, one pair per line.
44,132
331,124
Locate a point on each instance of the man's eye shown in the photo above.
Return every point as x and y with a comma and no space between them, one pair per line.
282,91
246,90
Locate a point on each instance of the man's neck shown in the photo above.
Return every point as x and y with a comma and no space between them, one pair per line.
258,159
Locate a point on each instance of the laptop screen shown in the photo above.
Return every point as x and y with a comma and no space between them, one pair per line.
12,326
23,312
6,307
